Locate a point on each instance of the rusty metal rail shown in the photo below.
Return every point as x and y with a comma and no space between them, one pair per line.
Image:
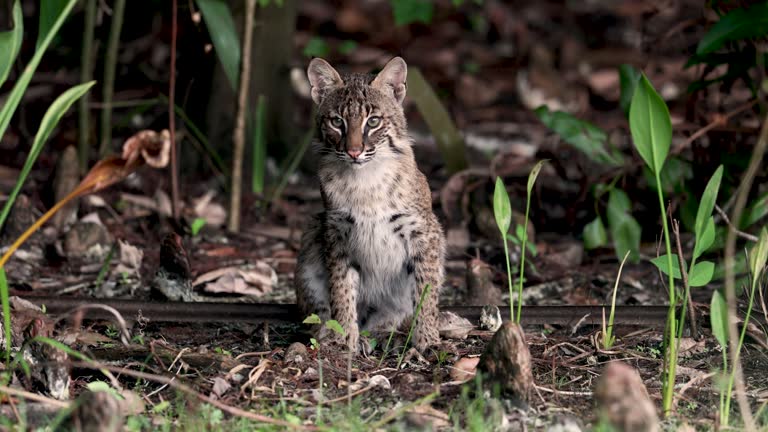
648,316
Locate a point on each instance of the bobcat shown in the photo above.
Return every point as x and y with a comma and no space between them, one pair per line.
366,259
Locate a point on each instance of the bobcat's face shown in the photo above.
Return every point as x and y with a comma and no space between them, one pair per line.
360,117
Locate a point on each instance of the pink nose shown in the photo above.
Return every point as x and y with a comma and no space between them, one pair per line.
354,153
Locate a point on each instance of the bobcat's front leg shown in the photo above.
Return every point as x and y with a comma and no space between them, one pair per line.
427,256
344,283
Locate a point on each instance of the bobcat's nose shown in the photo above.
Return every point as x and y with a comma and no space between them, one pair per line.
354,153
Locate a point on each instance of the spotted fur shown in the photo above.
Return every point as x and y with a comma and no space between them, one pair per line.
366,259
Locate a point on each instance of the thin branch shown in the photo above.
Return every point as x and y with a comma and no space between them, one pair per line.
742,234
174,383
174,171
239,139
33,396
110,64
730,277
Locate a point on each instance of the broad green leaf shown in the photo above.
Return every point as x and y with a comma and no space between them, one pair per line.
409,11
335,326
619,200
701,274
23,81
584,136
626,237
49,11
221,27
502,209
759,255
704,242
10,44
650,125
718,318
594,234
51,118
708,200
738,24
628,78
535,173
661,263
519,232
312,319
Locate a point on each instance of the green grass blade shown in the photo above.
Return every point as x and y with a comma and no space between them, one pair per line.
51,118
708,200
10,43
21,85
221,27
650,125
718,317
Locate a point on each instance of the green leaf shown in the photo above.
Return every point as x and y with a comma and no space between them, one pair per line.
23,81
661,263
162,406
704,242
409,11
737,24
625,231
701,274
757,210
594,234
335,326
628,78
626,237
312,319
10,44
51,118
316,47
582,135
347,46
650,125
197,225
759,255
718,318
519,232
707,203
535,173
502,209
221,27
49,12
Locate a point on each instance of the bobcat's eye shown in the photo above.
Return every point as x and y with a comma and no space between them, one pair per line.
337,122
374,121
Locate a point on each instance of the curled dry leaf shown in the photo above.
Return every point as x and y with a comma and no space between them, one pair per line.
130,260
213,213
255,281
144,147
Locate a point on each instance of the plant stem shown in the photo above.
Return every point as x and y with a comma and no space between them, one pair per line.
509,278
242,101
416,313
671,366
173,168
738,349
522,260
110,65
86,74
730,278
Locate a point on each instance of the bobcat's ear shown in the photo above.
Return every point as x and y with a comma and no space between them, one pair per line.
391,79
323,78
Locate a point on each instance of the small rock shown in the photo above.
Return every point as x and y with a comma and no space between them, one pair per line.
296,353
97,411
623,400
464,369
452,326
507,361
380,381
490,318
87,238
